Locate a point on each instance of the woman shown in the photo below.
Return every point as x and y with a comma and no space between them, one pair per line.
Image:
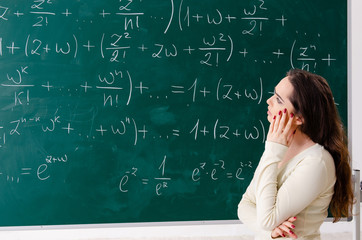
305,168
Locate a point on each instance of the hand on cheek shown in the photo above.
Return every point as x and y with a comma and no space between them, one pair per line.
282,128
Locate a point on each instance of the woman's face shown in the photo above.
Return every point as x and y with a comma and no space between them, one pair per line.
280,100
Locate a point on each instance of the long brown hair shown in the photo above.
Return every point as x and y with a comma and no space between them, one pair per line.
313,100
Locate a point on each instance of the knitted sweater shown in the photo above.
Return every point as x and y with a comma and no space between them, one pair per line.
302,188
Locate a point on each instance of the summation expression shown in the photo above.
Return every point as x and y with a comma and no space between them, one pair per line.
128,129
119,84
214,48
56,125
184,16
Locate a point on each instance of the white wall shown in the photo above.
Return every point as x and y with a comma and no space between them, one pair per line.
227,231
356,65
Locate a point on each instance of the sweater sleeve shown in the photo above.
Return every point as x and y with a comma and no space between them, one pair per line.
247,210
247,213
265,186
300,189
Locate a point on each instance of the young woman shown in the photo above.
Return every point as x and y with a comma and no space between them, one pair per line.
305,168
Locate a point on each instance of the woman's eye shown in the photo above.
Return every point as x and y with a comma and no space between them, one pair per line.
278,99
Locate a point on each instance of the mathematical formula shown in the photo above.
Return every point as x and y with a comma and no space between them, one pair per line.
128,126
140,77
214,49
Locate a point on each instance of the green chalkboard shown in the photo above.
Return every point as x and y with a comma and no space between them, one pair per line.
148,110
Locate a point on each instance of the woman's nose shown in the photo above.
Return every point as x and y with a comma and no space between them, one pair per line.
268,101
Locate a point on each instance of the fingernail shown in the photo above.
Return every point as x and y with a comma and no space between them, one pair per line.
293,226
291,115
285,110
291,232
274,117
283,235
280,112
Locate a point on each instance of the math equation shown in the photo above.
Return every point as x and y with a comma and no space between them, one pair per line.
146,94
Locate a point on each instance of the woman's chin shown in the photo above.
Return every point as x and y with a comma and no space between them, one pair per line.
269,118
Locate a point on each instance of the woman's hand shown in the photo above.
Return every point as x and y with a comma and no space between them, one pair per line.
282,131
285,229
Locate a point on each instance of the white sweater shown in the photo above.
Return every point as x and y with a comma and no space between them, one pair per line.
302,188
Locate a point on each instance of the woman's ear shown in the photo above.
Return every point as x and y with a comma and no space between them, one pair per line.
299,120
